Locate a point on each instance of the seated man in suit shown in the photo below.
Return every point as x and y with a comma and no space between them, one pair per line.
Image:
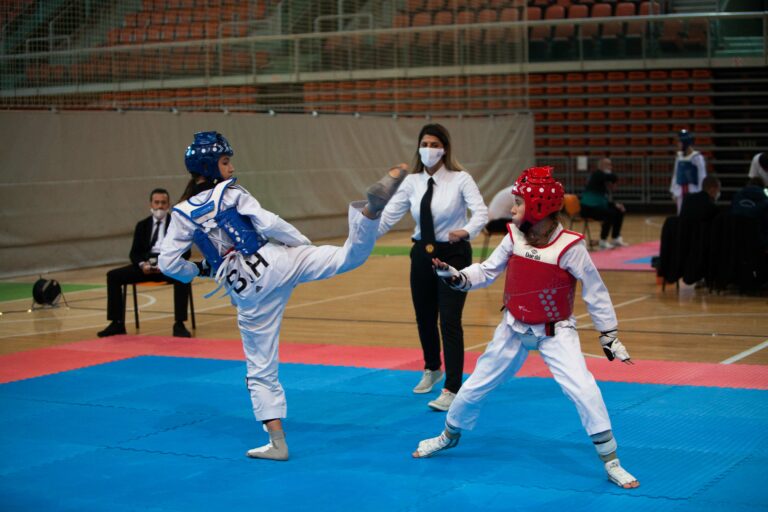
700,206
697,211
752,201
147,238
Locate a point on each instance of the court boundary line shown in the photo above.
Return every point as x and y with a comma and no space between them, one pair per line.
746,353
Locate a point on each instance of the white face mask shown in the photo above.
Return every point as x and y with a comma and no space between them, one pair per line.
158,213
430,156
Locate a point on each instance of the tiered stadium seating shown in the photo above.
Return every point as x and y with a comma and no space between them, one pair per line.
631,112
11,9
181,20
606,39
198,98
634,112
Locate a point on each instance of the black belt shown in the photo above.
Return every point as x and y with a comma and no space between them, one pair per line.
431,247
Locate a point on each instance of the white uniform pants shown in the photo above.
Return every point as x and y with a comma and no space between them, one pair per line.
260,309
507,353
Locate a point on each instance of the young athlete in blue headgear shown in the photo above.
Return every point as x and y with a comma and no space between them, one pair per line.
690,169
231,229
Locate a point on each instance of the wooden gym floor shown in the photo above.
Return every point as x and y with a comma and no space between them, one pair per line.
371,306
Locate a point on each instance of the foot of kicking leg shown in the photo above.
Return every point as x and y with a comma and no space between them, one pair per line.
381,192
433,445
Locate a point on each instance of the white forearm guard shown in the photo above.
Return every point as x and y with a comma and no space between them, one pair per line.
612,347
453,278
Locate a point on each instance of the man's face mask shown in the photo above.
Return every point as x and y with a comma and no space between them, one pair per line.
430,156
158,213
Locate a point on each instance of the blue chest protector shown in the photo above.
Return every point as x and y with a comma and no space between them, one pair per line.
686,173
207,214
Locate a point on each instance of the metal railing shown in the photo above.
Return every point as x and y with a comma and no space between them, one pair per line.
273,61
643,180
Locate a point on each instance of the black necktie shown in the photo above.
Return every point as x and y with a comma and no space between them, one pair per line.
426,222
153,240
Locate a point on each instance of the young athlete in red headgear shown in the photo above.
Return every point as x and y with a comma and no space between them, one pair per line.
543,262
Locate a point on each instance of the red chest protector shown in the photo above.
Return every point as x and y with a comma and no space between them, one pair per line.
537,290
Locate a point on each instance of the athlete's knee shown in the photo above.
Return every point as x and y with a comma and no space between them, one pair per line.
266,381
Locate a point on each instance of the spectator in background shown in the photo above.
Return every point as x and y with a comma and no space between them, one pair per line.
759,167
500,211
147,238
752,201
596,203
689,170
700,206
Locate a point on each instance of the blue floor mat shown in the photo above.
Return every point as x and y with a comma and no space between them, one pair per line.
169,434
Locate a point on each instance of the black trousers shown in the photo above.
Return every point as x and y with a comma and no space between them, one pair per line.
131,274
433,300
612,218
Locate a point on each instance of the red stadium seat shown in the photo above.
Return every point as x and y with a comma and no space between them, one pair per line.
414,5
696,37
423,19
671,38
490,36
466,17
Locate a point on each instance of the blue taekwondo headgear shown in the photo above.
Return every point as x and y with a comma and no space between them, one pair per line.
202,156
686,139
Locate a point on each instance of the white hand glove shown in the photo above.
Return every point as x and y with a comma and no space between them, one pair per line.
452,277
613,348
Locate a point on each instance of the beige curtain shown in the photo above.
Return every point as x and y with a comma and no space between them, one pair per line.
74,184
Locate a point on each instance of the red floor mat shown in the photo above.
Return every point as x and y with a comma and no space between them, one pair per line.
34,363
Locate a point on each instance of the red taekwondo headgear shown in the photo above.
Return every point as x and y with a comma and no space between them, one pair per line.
540,191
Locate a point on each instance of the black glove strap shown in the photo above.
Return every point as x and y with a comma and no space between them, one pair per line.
202,266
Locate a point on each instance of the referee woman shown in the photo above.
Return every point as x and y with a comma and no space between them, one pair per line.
438,193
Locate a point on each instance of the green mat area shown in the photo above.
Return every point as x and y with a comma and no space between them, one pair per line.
16,291
406,251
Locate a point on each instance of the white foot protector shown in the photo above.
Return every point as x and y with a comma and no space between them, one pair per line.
434,444
277,449
619,475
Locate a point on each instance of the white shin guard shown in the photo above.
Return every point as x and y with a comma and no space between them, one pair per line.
605,444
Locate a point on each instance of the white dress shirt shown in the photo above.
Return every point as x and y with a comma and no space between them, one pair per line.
453,193
756,170
576,261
